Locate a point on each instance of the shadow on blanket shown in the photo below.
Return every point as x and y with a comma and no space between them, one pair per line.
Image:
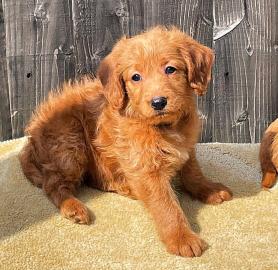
23,204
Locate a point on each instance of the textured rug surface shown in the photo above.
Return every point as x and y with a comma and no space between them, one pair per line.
242,233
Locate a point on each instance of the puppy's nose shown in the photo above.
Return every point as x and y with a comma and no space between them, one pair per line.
158,103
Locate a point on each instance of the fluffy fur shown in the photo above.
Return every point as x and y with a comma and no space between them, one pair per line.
106,133
269,155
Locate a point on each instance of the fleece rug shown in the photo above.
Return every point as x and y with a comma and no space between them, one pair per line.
242,233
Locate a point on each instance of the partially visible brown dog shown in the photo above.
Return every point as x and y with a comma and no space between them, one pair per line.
130,131
269,155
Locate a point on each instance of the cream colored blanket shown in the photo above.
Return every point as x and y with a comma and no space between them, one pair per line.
242,233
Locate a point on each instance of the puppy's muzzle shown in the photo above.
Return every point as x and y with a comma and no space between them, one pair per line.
159,103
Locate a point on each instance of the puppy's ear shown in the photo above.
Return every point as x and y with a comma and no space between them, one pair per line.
199,60
199,74
112,82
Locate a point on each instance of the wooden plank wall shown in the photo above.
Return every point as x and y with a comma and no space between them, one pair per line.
44,42
245,75
5,116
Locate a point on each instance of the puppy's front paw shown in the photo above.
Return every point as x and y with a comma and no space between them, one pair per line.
75,210
190,245
217,193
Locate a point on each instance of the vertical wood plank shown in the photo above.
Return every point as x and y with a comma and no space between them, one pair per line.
5,119
231,87
135,17
97,26
262,65
84,24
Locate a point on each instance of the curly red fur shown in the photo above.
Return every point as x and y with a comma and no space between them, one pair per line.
106,133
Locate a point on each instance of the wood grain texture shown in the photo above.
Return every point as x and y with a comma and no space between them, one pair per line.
50,41
263,65
230,113
245,78
5,116
38,52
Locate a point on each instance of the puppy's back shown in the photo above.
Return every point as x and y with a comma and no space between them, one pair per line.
63,121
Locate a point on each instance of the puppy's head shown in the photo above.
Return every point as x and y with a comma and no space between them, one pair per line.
153,76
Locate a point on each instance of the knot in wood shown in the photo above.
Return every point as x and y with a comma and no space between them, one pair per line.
40,14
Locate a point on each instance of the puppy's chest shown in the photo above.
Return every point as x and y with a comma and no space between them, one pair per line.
173,144
155,150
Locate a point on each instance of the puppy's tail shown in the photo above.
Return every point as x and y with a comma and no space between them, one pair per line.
29,165
267,149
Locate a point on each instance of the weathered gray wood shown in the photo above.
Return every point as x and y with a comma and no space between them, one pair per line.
97,26
49,41
263,64
39,52
5,116
245,78
135,16
231,89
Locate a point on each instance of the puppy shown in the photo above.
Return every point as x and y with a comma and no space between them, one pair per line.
130,131
269,155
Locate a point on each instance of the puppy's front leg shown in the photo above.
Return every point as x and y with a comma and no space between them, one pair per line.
199,187
172,225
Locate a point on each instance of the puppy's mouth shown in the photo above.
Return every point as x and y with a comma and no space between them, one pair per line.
164,125
161,113
164,120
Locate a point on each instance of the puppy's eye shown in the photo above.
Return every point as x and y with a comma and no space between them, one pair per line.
170,70
136,77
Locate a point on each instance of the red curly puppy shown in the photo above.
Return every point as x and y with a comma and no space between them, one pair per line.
269,155
129,131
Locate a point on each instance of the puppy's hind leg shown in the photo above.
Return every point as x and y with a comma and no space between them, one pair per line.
29,165
61,193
